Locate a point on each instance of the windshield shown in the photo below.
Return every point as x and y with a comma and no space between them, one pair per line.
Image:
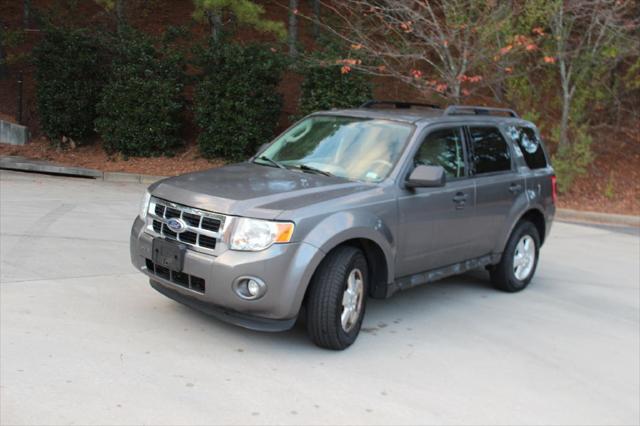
352,148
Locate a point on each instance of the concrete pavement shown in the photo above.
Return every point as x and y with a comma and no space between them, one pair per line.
85,340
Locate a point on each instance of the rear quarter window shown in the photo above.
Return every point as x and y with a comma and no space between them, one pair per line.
530,145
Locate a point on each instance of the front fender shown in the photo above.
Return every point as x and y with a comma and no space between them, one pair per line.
339,227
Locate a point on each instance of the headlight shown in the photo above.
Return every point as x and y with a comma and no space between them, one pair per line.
256,235
144,205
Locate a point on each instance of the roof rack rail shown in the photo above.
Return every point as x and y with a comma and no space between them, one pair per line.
469,109
399,104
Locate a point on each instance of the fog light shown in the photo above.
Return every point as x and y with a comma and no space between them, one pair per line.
253,287
249,288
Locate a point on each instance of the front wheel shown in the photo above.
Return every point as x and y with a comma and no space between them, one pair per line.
337,298
519,260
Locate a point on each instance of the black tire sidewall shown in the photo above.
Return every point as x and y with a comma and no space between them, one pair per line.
357,261
324,303
525,228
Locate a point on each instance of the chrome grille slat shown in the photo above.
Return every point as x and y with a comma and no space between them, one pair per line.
173,210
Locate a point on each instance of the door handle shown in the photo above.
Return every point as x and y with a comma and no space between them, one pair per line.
515,188
460,199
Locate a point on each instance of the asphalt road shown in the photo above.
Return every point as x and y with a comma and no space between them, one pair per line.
85,340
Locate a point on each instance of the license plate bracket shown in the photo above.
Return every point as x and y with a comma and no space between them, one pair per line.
169,254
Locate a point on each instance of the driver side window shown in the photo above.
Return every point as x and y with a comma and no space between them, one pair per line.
443,147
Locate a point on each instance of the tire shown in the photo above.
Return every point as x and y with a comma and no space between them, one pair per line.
505,275
325,309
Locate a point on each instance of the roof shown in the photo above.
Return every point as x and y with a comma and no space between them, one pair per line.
425,115
404,115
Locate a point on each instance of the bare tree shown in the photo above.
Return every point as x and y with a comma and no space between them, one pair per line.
26,13
438,46
3,56
215,24
116,7
245,12
293,28
582,31
315,9
120,15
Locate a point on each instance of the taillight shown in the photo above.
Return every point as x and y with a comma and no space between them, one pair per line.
554,189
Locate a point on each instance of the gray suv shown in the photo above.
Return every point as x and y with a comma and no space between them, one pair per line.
346,205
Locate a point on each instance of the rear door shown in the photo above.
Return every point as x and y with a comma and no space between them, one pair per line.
498,183
435,223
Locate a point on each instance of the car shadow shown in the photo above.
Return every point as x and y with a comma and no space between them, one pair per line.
411,307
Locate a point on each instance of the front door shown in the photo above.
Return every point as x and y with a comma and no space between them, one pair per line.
436,224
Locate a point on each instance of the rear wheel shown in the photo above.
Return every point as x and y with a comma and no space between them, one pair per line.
519,260
337,298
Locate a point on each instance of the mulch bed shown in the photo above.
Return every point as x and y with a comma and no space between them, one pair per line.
94,157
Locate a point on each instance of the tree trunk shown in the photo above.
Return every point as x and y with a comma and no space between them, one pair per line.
566,103
315,6
293,28
564,120
26,13
120,16
215,22
454,89
3,71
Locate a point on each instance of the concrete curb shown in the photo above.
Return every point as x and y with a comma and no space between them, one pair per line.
597,217
130,177
25,165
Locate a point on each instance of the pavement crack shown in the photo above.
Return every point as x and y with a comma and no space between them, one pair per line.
62,237
68,278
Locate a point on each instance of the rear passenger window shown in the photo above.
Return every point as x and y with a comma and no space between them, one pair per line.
490,150
443,148
530,146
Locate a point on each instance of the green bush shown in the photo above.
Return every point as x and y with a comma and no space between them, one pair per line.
70,75
572,161
139,113
326,87
236,104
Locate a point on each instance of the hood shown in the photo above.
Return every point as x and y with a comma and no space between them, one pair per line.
253,190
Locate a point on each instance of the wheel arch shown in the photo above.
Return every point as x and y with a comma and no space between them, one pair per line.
536,217
377,263
533,215
378,268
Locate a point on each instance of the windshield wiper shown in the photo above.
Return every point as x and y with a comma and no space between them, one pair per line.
307,168
270,160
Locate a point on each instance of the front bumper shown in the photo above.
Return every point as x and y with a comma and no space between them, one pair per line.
285,268
236,318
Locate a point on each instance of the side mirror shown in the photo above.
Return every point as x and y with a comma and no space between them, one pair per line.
426,176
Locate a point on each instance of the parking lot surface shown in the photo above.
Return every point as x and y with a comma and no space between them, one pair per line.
85,340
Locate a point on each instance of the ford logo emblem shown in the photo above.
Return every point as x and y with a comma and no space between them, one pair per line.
176,225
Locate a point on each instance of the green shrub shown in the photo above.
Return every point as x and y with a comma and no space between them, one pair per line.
572,161
326,87
70,75
236,105
139,113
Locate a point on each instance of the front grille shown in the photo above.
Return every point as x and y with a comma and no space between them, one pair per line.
207,242
210,224
192,219
180,278
204,229
189,237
